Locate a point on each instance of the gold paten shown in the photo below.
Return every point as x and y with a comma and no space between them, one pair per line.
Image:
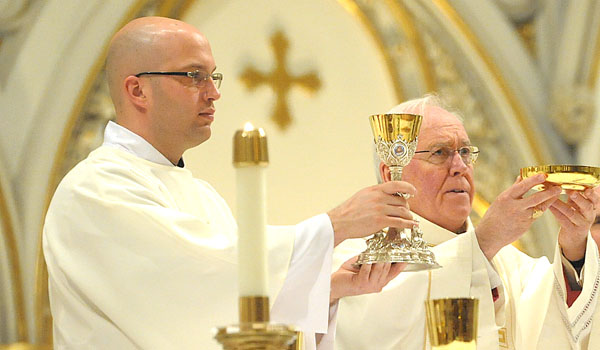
452,323
250,147
569,177
395,137
254,332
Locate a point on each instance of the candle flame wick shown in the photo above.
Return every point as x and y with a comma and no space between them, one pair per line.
248,126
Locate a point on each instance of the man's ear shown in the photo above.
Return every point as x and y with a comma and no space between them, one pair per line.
135,91
384,171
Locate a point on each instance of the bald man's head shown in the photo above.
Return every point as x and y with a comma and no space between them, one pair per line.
172,111
141,45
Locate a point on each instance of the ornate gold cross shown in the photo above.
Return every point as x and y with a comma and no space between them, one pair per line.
280,80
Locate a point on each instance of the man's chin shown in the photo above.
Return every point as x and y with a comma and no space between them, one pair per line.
203,135
457,219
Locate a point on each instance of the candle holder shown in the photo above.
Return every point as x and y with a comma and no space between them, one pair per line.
255,332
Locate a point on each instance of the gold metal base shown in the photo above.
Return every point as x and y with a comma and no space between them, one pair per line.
254,309
254,332
256,336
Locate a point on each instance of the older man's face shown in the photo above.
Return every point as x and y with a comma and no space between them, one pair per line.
444,191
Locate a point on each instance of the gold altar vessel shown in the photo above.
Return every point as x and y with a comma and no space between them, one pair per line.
395,137
569,177
452,323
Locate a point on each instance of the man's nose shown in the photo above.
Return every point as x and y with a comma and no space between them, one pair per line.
212,93
457,164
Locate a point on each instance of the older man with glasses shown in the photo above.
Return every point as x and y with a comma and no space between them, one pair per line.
524,303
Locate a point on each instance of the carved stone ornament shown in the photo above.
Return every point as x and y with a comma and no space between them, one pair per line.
572,112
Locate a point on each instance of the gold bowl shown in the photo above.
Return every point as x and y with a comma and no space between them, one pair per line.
569,177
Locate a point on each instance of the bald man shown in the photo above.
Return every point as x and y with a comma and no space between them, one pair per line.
141,255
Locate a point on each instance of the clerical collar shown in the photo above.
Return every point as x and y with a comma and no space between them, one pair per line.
120,137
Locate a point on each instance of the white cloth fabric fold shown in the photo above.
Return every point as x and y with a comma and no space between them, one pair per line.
530,314
141,255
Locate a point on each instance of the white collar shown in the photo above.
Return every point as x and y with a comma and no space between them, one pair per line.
122,138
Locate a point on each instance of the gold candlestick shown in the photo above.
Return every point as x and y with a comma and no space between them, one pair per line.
254,331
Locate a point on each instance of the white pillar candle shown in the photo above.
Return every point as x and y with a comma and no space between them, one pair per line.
250,160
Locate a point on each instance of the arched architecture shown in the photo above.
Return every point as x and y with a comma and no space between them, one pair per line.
523,72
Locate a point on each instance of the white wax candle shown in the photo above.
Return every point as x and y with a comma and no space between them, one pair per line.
252,253
251,217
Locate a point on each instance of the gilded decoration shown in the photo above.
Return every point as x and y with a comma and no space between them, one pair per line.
280,80
527,33
495,149
572,112
14,14
412,47
8,236
88,131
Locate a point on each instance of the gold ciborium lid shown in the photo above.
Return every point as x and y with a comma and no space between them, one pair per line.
569,177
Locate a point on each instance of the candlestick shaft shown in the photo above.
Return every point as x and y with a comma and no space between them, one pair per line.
252,255
254,309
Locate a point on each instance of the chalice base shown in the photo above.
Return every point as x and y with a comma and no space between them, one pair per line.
416,261
396,247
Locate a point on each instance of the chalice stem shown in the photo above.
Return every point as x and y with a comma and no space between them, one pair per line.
396,173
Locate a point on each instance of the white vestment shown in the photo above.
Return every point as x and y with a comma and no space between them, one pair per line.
531,312
141,255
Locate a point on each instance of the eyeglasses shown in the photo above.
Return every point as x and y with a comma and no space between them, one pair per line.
439,155
198,78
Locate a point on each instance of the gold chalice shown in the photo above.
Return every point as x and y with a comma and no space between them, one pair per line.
395,137
569,177
452,323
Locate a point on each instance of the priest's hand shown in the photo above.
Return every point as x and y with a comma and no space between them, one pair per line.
369,278
371,209
511,214
575,216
